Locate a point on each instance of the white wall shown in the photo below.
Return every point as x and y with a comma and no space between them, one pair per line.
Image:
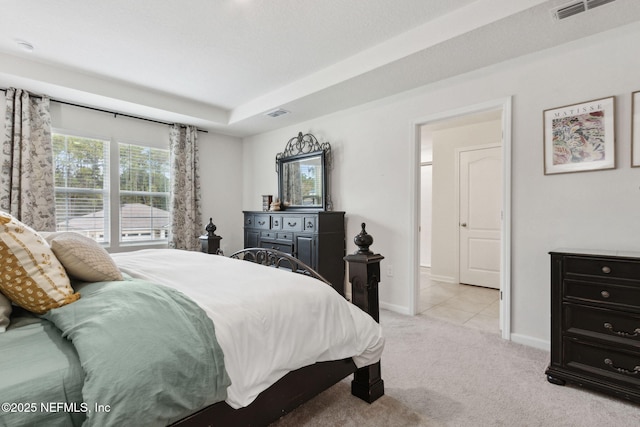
85,122
444,259
221,179
374,156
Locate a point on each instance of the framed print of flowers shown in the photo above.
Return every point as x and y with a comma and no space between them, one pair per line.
580,137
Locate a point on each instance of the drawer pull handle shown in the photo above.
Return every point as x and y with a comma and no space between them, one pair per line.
261,222
609,326
605,294
309,224
275,223
606,269
292,224
609,362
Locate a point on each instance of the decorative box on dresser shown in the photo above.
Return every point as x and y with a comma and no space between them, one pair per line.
595,321
316,238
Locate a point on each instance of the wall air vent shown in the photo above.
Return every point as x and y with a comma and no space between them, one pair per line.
277,112
576,7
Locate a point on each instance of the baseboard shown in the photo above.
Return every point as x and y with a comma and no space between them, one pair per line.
531,342
400,309
445,279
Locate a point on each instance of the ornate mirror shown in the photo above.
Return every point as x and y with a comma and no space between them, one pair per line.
302,173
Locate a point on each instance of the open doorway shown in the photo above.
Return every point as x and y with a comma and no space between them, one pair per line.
463,169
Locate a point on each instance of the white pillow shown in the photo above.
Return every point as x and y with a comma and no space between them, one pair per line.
83,258
5,312
30,274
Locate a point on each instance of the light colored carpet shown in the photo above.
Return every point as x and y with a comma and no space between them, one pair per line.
441,374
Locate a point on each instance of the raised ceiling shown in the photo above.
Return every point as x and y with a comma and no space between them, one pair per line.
223,64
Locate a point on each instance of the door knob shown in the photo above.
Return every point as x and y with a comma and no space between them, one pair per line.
464,224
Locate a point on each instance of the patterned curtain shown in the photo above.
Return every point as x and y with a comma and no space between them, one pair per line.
186,218
26,177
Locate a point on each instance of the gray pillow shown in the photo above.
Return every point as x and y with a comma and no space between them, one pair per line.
82,257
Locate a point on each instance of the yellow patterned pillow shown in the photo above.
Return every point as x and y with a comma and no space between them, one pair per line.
30,274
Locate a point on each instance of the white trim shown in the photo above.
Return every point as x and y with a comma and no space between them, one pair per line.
445,279
531,342
401,309
505,256
414,218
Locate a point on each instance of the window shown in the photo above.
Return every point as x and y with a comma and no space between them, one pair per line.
81,167
87,168
144,193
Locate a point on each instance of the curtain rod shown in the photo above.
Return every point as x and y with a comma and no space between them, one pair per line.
115,113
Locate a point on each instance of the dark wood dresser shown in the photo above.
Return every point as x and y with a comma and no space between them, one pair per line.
315,238
595,321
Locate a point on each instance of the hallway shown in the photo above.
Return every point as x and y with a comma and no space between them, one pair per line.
471,306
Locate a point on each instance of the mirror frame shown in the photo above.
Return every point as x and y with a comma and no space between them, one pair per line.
300,148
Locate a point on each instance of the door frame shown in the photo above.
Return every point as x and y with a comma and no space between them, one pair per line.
458,151
503,104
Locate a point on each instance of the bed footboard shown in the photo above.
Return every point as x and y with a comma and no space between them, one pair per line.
299,386
364,275
277,259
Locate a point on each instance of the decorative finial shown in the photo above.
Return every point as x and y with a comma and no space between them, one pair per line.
211,228
363,240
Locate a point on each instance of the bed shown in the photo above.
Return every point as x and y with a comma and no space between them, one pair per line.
252,344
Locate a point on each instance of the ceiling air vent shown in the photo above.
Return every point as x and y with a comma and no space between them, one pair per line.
577,7
569,10
595,3
277,112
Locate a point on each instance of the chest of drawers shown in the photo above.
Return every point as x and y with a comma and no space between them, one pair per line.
315,238
595,321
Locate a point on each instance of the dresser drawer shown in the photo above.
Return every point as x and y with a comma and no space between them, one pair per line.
616,326
262,222
276,222
601,361
602,267
608,295
285,237
310,224
268,235
292,223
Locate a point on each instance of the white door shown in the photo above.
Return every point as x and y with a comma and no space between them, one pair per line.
480,216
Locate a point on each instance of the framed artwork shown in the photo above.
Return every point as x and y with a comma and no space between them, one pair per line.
580,137
635,129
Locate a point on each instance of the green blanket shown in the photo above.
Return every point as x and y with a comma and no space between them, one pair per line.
149,353
38,366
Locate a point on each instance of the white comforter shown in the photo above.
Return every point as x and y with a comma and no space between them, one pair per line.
268,321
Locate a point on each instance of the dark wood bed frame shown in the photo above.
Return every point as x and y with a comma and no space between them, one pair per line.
301,385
